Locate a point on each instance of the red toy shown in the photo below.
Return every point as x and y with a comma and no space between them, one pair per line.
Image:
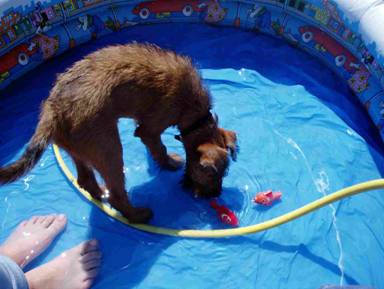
267,198
224,214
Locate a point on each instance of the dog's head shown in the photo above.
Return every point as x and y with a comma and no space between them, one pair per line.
208,164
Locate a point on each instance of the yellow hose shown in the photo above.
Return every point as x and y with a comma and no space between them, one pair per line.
346,192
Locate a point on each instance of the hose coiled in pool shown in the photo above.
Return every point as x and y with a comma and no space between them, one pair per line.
343,193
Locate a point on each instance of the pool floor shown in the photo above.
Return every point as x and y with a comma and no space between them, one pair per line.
300,131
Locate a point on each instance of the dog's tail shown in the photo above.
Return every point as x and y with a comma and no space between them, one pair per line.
35,149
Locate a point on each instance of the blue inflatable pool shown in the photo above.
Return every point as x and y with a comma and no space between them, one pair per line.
307,111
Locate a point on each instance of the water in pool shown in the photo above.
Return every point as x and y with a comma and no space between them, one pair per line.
300,132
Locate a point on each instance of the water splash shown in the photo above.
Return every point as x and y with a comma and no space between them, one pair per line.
26,181
322,186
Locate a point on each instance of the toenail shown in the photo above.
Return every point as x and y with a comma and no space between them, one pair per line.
61,217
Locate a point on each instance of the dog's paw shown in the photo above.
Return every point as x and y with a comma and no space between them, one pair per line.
174,162
140,215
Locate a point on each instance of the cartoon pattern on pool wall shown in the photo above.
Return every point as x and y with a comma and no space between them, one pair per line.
261,18
32,33
323,43
93,24
215,12
48,45
19,55
165,8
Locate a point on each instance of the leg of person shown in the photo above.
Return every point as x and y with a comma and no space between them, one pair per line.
11,275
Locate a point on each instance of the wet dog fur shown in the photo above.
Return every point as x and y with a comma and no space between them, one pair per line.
158,89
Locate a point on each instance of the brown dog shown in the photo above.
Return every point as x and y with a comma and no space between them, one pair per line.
155,87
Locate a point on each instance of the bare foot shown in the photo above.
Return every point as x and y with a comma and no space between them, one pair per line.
32,237
76,268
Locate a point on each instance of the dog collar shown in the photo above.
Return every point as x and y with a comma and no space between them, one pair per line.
196,125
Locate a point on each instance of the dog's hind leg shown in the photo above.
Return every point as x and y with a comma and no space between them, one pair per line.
152,141
107,159
86,179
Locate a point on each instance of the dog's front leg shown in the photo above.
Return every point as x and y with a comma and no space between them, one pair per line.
152,141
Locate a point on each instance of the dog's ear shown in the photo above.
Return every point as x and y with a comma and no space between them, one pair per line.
230,140
211,156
